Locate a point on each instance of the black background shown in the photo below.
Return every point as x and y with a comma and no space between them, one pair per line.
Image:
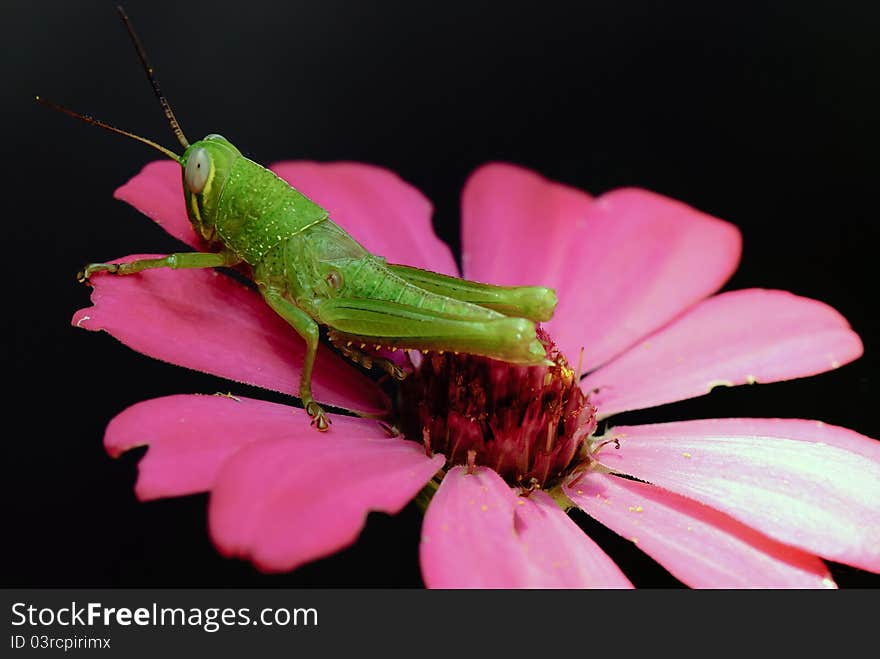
766,116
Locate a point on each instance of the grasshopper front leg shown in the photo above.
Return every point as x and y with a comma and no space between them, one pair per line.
174,261
308,330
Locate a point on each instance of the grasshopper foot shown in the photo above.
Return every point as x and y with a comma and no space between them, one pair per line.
319,417
396,371
83,275
344,346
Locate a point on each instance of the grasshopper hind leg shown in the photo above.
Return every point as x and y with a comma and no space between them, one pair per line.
536,303
384,322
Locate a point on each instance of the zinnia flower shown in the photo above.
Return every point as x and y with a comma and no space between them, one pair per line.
506,450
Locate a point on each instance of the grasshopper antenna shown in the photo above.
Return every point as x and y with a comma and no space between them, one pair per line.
112,129
151,76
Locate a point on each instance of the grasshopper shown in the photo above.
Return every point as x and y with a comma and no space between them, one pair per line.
312,273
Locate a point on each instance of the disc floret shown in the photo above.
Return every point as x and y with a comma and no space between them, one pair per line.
528,423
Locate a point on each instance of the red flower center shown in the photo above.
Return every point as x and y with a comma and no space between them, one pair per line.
528,423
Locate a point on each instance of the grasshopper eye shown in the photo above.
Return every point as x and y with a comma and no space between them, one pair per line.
198,166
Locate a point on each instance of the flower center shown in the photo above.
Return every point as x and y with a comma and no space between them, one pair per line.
528,423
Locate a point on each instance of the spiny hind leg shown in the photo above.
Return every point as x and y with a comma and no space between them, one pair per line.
382,322
174,261
308,330
346,343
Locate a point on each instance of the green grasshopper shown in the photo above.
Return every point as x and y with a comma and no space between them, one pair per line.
311,272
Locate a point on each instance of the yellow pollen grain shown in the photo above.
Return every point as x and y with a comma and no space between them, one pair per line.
634,540
719,383
581,492
484,507
520,502
835,364
751,379
635,509
687,455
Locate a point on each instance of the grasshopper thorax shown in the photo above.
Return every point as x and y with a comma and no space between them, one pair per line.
206,166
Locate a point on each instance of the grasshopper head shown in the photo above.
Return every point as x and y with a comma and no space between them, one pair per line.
206,168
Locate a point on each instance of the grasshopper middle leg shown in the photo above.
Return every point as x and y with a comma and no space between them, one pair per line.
308,330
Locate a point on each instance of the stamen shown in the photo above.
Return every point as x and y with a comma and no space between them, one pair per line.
426,441
614,441
551,432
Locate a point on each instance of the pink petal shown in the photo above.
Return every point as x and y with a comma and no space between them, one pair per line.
468,534
384,213
559,548
697,544
157,192
804,483
734,338
478,534
284,502
622,265
518,227
191,436
206,321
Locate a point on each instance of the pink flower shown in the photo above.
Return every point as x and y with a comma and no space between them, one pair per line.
718,502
